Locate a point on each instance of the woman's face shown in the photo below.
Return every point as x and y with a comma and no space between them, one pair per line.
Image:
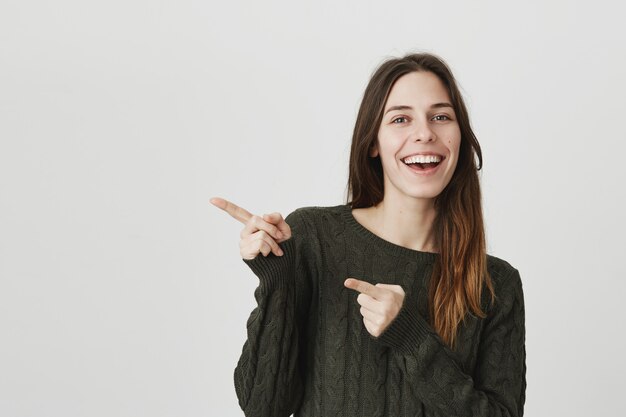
418,119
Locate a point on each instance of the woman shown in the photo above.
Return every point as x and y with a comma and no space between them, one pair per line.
387,305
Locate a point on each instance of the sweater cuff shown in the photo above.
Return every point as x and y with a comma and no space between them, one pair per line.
407,331
275,272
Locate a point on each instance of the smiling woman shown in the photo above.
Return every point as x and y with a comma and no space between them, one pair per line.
438,325
423,136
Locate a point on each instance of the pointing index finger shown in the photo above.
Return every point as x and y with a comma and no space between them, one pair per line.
363,287
234,210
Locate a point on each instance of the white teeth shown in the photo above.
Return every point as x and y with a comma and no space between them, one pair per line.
422,159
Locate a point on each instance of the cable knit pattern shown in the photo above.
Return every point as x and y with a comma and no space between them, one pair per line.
309,354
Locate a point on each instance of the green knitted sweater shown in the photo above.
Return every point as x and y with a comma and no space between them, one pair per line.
308,353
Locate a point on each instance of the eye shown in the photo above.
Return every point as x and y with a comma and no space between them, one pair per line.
398,118
442,115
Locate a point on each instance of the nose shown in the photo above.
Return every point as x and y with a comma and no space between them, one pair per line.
423,133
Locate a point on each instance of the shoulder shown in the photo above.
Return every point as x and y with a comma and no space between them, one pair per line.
506,280
309,218
499,269
311,227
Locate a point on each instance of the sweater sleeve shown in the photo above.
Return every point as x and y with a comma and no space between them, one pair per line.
268,376
497,388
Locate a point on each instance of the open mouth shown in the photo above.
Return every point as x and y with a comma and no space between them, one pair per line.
423,164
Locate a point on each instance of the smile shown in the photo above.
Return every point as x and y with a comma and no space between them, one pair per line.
423,168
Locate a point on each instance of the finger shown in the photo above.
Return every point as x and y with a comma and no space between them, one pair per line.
263,247
234,210
257,243
364,287
368,302
370,315
395,288
267,239
251,249
273,217
256,223
371,327
277,219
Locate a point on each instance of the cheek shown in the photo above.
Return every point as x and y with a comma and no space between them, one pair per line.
387,145
454,142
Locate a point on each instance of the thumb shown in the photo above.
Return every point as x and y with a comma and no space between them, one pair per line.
392,287
277,220
273,217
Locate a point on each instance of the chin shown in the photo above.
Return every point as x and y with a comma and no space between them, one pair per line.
424,196
424,192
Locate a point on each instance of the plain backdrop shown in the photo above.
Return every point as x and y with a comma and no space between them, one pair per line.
122,292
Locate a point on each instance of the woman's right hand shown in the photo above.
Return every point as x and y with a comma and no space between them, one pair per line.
260,234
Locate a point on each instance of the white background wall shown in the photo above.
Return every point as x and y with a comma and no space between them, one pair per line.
122,292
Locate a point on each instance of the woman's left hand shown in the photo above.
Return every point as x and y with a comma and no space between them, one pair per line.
380,303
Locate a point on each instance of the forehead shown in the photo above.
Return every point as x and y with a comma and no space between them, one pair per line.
418,88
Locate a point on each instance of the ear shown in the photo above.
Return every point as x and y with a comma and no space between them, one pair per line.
373,151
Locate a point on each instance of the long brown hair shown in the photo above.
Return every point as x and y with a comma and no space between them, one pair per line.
460,271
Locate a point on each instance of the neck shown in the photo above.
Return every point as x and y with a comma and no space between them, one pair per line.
407,222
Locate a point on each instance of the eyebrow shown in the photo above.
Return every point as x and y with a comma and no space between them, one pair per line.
405,107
